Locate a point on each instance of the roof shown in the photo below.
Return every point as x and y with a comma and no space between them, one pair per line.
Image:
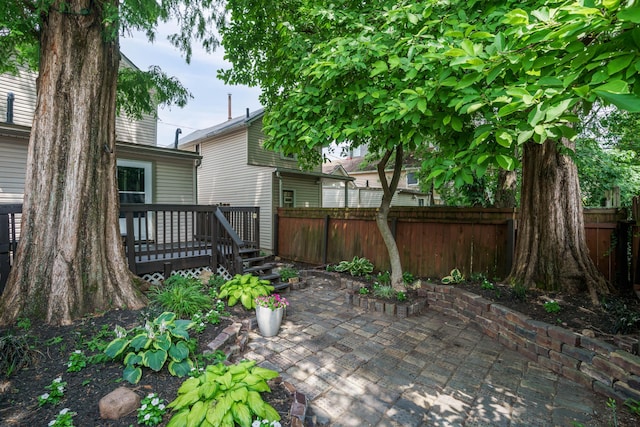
222,128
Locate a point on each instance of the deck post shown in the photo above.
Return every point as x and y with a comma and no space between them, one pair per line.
5,246
213,227
166,270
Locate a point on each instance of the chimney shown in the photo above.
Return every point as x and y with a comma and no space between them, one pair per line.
10,98
229,106
247,113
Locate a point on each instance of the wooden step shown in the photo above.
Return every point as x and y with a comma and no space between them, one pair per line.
262,267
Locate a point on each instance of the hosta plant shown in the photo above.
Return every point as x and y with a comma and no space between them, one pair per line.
245,289
223,396
161,340
356,267
454,277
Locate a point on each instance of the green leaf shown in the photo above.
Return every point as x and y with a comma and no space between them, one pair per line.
524,136
180,369
557,110
116,347
208,390
188,385
456,124
504,138
132,374
378,68
140,341
516,17
197,414
264,373
629,102
270,413
239,394
166,317
505,162
216,412
154,359
247,301
630,14
619,64
613,86
162,341
241,414
179,419
256,404
185,400
179,351
132,358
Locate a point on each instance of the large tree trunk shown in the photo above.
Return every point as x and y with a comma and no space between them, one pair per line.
551,249
382,217
70,260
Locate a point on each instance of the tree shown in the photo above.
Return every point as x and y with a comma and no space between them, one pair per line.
481,78
70,260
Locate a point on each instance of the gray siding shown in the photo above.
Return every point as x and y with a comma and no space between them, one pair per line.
307,191
174,182
225,178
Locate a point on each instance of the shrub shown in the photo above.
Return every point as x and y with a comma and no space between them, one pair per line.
383,278
182,296
287,273
16,353
356,267
245,289
384,292
408,278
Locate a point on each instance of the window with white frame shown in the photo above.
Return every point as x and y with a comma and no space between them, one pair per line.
412,178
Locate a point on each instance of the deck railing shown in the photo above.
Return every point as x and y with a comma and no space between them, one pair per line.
163,237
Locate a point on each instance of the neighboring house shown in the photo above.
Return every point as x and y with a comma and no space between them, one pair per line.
366,189
237,171
146,173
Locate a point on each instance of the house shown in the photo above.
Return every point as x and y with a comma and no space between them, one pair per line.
146,173
237,170
366,190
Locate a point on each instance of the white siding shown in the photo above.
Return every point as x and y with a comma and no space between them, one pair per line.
366,198
23,86
13,161
225,177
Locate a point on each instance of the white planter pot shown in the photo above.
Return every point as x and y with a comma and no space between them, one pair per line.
269,320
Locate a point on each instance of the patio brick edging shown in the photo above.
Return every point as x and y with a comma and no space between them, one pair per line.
598,365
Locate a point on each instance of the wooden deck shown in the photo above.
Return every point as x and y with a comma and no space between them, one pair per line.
163,238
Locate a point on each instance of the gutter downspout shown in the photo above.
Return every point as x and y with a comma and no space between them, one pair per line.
279,188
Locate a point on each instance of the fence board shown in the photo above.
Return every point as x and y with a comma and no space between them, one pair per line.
433,240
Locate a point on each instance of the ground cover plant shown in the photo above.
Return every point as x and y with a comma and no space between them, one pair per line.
52,351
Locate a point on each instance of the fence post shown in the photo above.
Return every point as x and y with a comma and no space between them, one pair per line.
511,244
325,239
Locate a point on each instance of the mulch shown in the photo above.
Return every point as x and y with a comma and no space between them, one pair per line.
19,392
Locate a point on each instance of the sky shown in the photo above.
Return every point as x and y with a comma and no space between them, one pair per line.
208,107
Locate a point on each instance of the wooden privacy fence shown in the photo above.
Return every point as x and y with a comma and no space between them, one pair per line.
434,240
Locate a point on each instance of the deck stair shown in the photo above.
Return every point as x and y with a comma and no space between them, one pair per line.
255,263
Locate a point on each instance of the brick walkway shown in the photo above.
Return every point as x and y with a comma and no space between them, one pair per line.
365,369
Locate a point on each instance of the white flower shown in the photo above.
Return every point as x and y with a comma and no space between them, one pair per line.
78,351
143,407
44,396
147,416
60,388
155,401
64,411
151,395
256,423
161,406
52,423
275,424
58,380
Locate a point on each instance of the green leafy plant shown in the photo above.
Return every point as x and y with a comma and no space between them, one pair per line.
487,285
245,289
633,405
287,273
611,404
519,292
180,295
356,267
383,278
454,277
624,319
408,278
164,338
77,361
224,395
55,393
401,296
551,306
386,292
53,341
363,291
151,410
63,419
17,353
24,323
216,281
200,320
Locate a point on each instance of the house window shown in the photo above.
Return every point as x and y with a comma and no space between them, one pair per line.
420,202
134,186
288,156
412,178
288,199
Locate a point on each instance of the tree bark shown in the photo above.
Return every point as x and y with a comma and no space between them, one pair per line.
551,250
506,191
382,217
70,260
